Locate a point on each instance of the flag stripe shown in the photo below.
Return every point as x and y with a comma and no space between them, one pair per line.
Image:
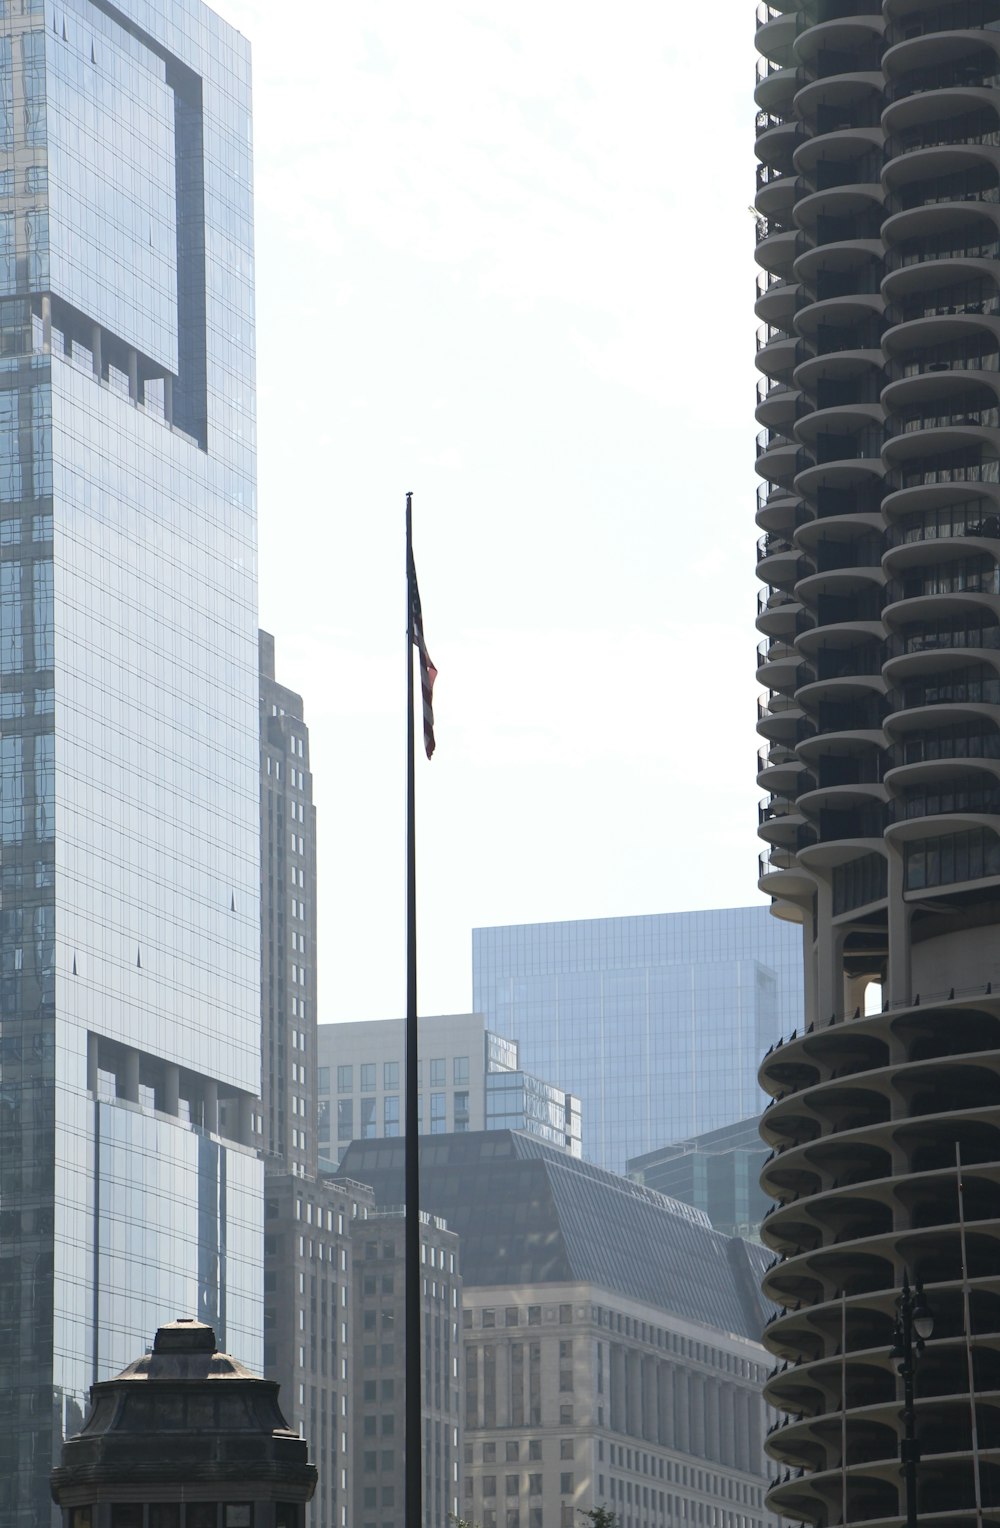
428,673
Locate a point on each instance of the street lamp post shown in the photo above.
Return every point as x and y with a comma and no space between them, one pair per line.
914,1324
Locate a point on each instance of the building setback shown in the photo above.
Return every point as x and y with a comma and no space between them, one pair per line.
130,1186
288,924
879,240
469,1079
657,1023
610,1339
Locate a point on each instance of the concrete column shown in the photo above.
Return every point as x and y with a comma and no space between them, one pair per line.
727,1439
168,398
755,1428
809,970
665,1408
46,323
712,1424
855,988
130,1077
93,1052
616,1386
133,376
682,1411
650,1401
829,956
634,1373
900,981
247,1108
170,1102
698,1415
743,1454
210,1110
95,346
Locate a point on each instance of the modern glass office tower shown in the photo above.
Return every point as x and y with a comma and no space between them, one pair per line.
130,1191
657,1023
879,238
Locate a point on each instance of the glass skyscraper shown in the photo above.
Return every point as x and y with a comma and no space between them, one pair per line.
130,1188
658,1023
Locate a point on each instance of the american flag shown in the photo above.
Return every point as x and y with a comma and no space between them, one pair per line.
428,673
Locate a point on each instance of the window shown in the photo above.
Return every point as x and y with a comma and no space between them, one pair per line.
391,1114
511,1485
534,1448
565,1315
438,1072
489,1485
345,1079
461,1112
439,1119
390,1074
565,1416
460,1069
566,1486
368,1124
345,1119
367,1070
489,1318
512,1451
534,1315
565,1448
534,1485
489,1453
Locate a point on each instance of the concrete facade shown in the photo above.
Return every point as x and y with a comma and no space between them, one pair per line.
310,1290
879,507
380,1369
577,1398
288,924
469,1080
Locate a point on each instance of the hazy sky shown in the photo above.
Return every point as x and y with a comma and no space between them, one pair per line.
505,261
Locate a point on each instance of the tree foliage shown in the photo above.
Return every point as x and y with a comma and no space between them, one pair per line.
600,1517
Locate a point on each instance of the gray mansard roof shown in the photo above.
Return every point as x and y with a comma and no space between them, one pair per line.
530,1214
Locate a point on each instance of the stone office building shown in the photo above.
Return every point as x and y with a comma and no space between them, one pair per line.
379,1388
609,1336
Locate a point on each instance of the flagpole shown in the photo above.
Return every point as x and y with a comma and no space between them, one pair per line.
414,1346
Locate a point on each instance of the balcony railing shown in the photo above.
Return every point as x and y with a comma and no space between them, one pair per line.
971,517
974,14
772,545
770,598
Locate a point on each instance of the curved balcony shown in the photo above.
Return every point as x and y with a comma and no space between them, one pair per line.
838,103
861,368
940,288
776,140
776,613
776,87
780,720
841,213
777,405
918,17
945,59
947,115
848,45
776,302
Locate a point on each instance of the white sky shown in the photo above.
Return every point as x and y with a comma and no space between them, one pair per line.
505,260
